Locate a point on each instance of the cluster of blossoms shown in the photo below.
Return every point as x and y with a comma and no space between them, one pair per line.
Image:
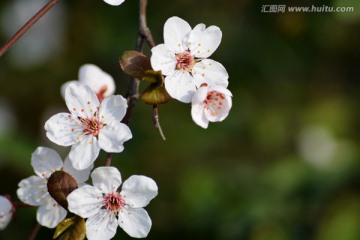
190,75
93,123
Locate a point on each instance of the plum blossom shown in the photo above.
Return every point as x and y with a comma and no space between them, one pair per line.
33,190
210,104
182,58
6,212
105,207
90,126
114,2
95,78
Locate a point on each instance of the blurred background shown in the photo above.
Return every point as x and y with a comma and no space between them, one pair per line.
285,163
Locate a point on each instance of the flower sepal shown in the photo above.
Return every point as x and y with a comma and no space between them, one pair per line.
60,184
71,228
155,93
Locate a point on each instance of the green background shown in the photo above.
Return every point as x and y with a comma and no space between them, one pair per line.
283,165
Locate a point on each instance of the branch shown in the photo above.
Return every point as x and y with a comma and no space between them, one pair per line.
157,122
35,231
27,26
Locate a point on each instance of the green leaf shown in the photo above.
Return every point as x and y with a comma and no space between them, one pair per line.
73,228
155,93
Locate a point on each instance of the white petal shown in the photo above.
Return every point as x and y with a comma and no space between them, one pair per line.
200,95
96,79
112,109
181,86
86,201
176,34
80,176
65,85
204,41
33,190
223,110
137,191
45,161
198,115
81,100
163,59
135,222
113,135
5,212
210,72
50,214
107,179
62,129
84,153
114,2
101,226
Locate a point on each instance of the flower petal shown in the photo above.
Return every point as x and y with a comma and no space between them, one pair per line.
200,95
81,100
84,153
137,191
86,201
101,226
198,115
81,176
114,2
33,190
204,41
135,222
112,109
210,72
5,212
62,129
176,33
50,214
107,179
163,59
180,85
65,85
45,161
113,136
96,79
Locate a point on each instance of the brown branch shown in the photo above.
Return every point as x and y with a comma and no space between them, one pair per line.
35,231
108,160
27,26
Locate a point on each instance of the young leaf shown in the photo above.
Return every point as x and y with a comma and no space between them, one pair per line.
72,228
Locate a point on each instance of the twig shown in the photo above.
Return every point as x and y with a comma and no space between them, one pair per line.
157,122
108,159
27,26
35,231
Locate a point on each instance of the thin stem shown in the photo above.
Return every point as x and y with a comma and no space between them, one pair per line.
144,30
27,26
108,160
35,231
157,122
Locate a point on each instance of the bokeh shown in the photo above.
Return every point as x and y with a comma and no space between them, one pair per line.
284,165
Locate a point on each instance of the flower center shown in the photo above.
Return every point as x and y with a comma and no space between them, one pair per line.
184,61
91,125
113,202
214,102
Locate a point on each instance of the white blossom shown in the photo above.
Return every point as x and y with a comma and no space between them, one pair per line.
106,208
33,190
90,126
210,104
183,58
6,212
95,78
114,2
